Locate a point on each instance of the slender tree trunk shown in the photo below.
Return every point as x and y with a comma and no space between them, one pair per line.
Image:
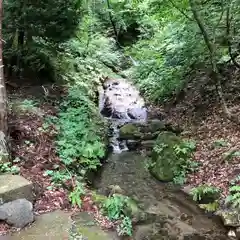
3,101
215,72
112,21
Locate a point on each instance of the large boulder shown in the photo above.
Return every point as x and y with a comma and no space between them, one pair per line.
141,130
165,161
13,187
18,213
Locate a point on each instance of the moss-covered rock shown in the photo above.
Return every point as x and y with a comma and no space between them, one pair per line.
85,227
130,131
164,159
141,131
230,218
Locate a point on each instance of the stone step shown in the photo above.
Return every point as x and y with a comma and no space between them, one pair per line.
13,187
60,225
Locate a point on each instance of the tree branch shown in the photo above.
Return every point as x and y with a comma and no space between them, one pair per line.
180,10
215,75
228,29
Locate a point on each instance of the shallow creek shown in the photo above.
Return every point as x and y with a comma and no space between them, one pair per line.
120,103
173,215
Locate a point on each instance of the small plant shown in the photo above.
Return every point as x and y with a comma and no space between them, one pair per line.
76,194
205,193
228,156
7,167
220,143
210,207
234,196
186,165
114,206
58,177
125,227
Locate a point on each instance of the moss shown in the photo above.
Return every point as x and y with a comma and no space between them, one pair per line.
142,131
164,160
130,131
98,198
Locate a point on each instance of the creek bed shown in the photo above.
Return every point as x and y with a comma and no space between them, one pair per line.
128,170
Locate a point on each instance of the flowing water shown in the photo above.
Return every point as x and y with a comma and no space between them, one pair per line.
177,216
121,103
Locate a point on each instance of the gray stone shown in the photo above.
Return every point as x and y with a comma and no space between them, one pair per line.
230,218
49,226
133,144
85,227
13,187
17,213
148,144
137,113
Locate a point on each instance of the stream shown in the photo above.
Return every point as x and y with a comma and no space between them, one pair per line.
176,215
169,213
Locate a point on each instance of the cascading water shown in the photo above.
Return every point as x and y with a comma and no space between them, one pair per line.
120,103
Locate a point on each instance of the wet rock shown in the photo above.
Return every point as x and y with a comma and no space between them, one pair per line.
133,144
130,131
141,130
230,218
49,226
17,213
231,234
85,227
13,187
137,113
106,108
164,159
119,115
113,189
148,144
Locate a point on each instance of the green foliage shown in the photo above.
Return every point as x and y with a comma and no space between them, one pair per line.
228,156
8,167
172,158
76,194
58,177
203,191
27,105
220,143
30,26
80,142
115,208
184,152
234,193
125,227
210,207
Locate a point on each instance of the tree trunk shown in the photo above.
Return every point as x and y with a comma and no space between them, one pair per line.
112,22
4,156
215,72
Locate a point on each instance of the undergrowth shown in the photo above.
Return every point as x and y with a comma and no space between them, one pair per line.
81,140
115,208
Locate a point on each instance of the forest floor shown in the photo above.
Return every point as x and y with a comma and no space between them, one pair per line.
217,138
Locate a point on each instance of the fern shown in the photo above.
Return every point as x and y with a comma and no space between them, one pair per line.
204,191
234,197
210,207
